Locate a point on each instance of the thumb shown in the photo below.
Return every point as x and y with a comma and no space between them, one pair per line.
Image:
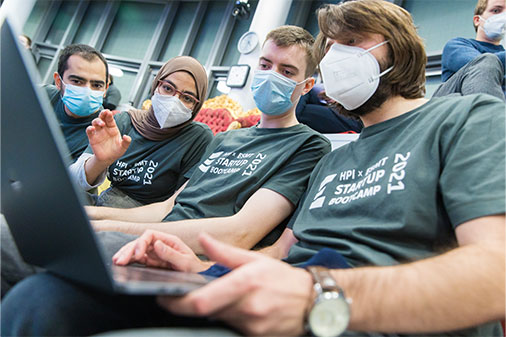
125,141
226,254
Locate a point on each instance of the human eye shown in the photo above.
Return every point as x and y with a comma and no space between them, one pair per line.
288,73
98,85
169,89
351,41
188,99
76,81
263,66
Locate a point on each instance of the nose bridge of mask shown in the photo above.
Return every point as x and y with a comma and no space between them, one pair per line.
501,17
286,80
84,91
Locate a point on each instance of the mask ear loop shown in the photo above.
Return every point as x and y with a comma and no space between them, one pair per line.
374,47
386,70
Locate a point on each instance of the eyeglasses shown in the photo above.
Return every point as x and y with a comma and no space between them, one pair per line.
168,89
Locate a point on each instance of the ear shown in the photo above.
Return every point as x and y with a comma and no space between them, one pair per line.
476,20
106,87
57,80
308,86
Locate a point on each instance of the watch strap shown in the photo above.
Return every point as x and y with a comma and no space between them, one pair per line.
323,277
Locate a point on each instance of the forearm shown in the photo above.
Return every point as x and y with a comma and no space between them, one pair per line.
456,290
457,53
225,229
77,170
279,250
144,214
94,168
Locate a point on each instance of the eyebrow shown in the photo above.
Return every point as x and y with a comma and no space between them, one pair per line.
185,91
286,65
85,80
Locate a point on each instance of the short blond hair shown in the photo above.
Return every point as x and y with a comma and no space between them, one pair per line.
286,36
406,49
479,10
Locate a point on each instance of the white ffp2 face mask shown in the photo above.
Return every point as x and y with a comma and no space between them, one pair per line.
494,26
350,74
169,110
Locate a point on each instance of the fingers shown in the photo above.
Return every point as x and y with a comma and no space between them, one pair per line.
133,251
211,298
225,254
124,255
108,118
169,255
125,141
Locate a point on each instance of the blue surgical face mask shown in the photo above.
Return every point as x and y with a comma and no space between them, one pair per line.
82,101
272,92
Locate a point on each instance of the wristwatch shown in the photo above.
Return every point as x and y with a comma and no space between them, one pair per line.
330,313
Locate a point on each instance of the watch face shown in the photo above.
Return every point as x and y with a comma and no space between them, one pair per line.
329,316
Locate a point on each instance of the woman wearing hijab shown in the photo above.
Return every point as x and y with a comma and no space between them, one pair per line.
146,153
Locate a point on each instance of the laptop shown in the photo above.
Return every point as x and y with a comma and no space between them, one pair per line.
41,203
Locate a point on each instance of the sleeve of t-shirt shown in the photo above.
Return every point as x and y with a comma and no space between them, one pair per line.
456,54
291,180
79,175
194,154
472,177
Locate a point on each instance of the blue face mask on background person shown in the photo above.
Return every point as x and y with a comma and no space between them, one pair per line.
494,26
82,101
272,92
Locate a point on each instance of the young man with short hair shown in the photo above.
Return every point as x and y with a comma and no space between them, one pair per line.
471,66
78,93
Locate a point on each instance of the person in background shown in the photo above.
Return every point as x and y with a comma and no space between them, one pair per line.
112,96
471,66
166,143
314,111
78,93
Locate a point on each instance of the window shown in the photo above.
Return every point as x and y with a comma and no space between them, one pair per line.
132,29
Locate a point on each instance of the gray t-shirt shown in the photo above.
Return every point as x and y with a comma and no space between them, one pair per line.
239,162
151,171
397,193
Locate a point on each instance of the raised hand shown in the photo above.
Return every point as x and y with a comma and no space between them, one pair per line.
105,138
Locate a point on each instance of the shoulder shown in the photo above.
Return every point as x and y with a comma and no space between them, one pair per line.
122,118
198,127
314,137
50,89
468,109
459,43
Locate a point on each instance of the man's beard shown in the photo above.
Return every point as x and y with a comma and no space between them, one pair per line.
382,93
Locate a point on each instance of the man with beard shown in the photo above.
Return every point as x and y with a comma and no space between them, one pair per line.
415,206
